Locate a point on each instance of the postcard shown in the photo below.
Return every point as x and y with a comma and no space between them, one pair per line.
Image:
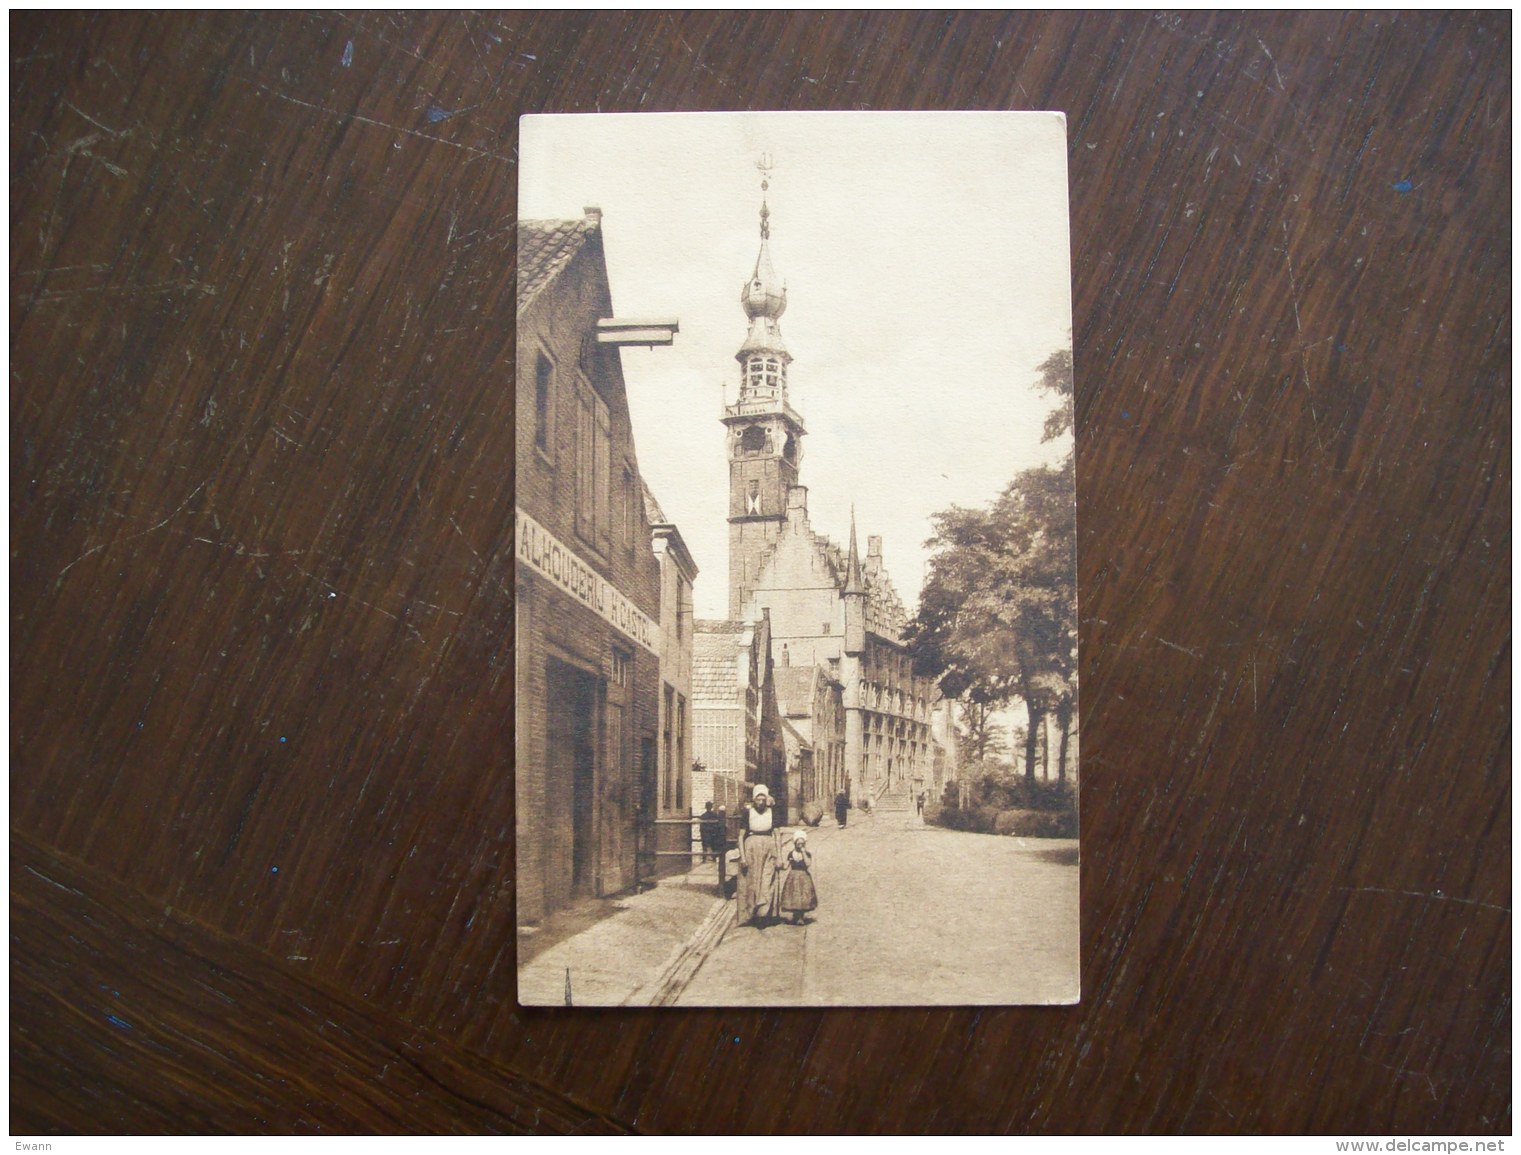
796,561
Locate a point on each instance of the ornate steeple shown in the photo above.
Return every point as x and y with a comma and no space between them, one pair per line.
764,432
764,298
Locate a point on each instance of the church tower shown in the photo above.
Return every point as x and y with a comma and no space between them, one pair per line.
763,431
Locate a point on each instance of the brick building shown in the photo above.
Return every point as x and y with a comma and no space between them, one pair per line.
825,606
589,637
672,800
737,728
811,702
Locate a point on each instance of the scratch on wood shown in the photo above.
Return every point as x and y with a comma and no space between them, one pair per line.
1278,76
189,284
116,132
1436,894
383,124
54,881
1180,649
129,537
1304,353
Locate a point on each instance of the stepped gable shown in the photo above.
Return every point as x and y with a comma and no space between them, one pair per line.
886,604
834,555
883,598
545,248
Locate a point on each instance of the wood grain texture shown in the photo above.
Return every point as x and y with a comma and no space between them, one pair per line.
126,1018
261,490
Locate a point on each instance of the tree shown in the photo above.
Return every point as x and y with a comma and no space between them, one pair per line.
1056,377
981,738
997,617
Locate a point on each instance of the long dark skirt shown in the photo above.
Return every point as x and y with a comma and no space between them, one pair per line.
798,893
755,894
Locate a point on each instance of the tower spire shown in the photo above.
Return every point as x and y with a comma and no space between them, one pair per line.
853,583
764,297
854,642
764,433
764,164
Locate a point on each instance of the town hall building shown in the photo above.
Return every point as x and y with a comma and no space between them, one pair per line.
826,607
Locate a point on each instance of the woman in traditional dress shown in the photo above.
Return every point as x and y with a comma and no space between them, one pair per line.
755,894
798,893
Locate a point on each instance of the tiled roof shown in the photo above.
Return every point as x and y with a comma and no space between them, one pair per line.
544,248
793,739
794,689
715,673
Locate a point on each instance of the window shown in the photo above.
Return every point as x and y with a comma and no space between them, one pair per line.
622,662
678,767
543,396
630,527
593,467
604,467
666,793
753,440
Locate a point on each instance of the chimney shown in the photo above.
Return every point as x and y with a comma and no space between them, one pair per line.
874,546
797,505
593,214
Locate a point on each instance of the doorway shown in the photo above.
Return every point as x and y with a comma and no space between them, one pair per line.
571,763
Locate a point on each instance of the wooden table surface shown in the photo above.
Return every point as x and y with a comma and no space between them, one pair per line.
261,512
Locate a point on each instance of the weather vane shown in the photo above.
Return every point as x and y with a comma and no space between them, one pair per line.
764,164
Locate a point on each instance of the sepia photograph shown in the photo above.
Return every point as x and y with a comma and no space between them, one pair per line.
797,702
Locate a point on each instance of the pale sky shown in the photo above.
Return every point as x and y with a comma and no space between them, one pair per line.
928,274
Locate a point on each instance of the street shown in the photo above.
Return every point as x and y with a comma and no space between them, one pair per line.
911,914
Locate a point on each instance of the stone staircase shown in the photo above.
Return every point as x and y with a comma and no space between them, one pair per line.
898,799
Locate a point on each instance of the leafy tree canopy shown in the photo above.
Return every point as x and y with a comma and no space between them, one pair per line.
997,616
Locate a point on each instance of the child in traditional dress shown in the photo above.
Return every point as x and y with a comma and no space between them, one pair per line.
798,893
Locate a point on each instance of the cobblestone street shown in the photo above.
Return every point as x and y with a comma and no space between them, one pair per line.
912,914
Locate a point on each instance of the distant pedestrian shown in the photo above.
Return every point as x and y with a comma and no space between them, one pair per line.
919,802
841,805
755,895
798,892
711,826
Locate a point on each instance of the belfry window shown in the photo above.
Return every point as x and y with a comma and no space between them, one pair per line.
753,440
